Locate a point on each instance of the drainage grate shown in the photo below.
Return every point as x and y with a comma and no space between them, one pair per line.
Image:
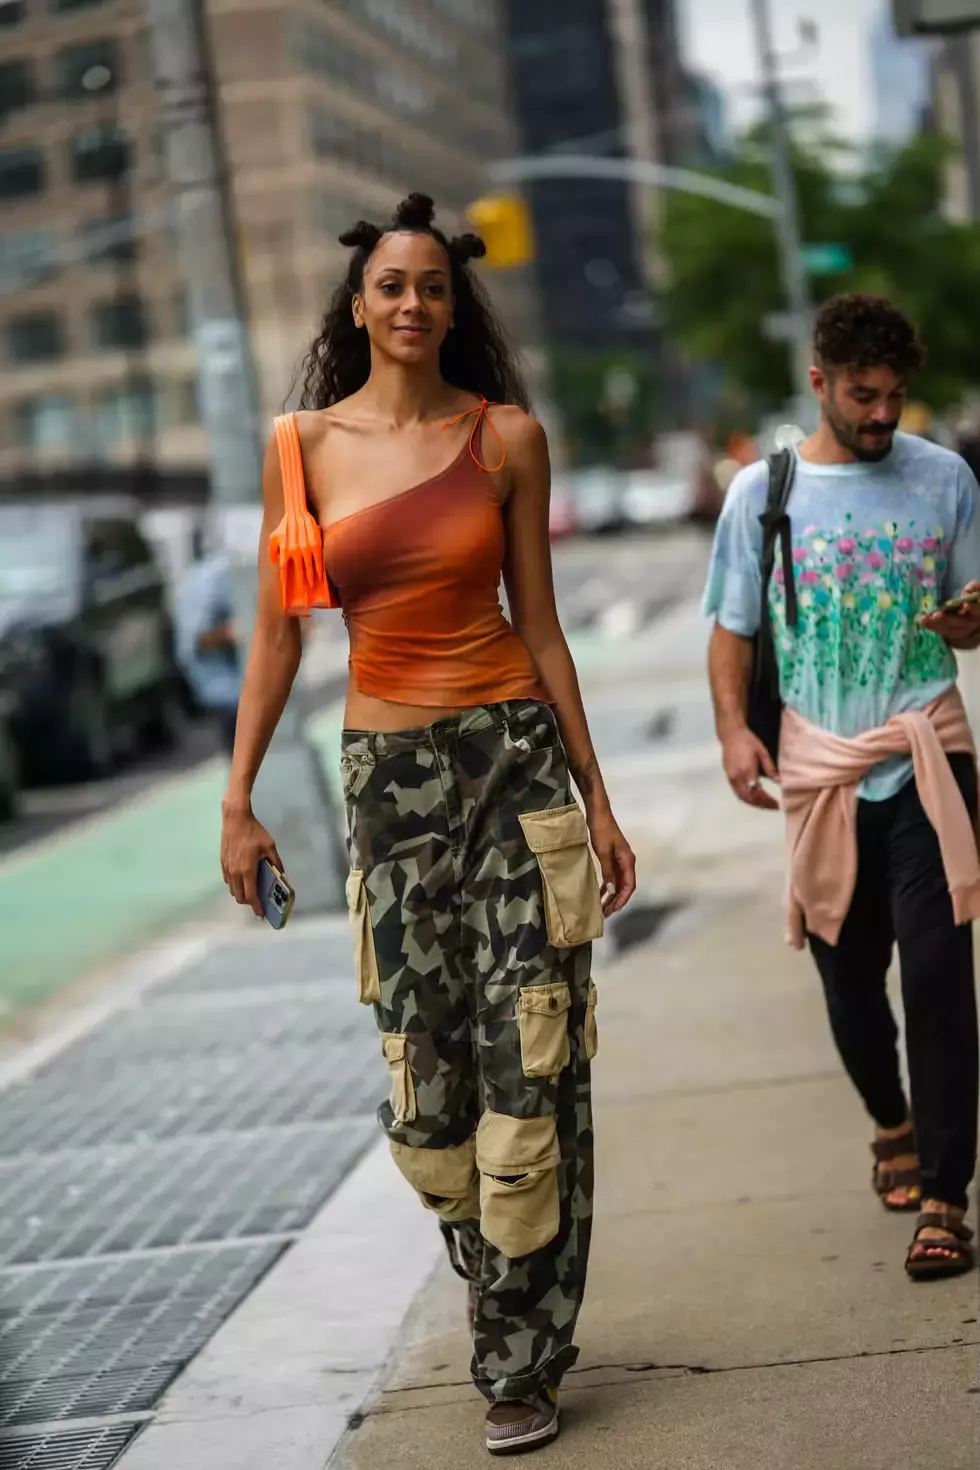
105,1337
268,962
186,1192
128,1098
75,1449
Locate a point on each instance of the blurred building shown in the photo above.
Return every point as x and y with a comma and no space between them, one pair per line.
956,104
330,110
900,81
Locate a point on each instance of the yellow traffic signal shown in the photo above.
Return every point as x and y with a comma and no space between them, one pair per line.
504,222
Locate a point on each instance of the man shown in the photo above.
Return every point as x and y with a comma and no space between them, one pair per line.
884,527
206,647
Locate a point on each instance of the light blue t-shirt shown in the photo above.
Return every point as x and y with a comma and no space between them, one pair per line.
203,602
874,545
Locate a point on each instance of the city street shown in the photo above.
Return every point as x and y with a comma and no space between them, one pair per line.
210,1260
608,585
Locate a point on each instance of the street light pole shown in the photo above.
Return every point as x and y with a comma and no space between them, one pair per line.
291,794
792,268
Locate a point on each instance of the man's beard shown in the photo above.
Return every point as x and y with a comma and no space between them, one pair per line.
869,446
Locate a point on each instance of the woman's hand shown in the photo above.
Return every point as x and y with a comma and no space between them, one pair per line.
244,843
615,859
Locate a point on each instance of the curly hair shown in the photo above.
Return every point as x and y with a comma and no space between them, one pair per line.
863,331
475,356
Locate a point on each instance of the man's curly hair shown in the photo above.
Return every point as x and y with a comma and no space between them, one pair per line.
863,331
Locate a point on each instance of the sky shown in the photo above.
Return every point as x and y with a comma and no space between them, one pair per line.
718,38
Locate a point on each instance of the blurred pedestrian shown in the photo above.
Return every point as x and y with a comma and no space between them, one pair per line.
876,758
207,651
472,891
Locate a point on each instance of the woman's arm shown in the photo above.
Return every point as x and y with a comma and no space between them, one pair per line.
531,595
270,670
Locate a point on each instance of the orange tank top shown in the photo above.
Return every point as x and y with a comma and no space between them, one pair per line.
417,576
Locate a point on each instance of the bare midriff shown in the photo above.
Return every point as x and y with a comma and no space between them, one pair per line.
365,712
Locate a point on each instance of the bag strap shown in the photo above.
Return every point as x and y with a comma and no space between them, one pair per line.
291,464
776,526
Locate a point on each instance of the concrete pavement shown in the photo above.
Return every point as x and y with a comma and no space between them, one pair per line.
747,1304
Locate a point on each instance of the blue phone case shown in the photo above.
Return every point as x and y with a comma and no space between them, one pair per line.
275,895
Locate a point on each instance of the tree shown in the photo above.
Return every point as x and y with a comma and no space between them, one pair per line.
724,270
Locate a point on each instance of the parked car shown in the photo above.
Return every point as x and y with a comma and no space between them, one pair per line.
87,665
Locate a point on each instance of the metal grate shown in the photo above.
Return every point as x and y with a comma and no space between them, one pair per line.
73,1449
152,1172
186,1192
105,1337
201,1087
269,962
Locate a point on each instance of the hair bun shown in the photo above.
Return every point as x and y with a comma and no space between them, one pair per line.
467,247
415,213
362,236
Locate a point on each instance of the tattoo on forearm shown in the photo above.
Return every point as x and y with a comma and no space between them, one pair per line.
586,775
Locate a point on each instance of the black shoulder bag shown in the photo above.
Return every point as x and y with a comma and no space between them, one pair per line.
765,706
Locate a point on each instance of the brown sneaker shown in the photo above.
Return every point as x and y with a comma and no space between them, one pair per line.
514,1425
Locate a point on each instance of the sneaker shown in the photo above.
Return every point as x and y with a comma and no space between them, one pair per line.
514,1425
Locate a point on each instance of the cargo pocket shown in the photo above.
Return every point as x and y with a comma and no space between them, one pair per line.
365,955
559,839
445,1179
518,1162
591,1029
542,1019
402,1082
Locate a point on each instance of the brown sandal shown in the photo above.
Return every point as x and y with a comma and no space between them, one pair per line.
883,1181
962,1257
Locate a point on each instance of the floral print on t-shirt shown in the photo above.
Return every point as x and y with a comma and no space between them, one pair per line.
873,547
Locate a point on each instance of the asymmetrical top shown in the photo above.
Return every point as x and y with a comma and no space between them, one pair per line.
417,576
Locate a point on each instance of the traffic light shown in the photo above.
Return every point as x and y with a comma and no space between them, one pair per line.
504,222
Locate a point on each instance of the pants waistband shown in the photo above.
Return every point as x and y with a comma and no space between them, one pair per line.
507,718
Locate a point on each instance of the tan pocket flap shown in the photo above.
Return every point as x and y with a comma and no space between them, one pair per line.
546,1000
508,1146
393,1048
561,826
355,885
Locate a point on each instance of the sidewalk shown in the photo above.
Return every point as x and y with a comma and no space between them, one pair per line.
747,1305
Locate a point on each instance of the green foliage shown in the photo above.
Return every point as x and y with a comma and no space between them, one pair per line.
596,432
724,268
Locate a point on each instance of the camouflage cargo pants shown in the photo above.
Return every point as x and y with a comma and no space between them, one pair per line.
473,898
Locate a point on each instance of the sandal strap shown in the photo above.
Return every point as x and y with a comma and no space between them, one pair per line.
890,1148
941,1220
888,1179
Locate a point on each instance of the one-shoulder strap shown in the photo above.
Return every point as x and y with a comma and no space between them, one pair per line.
296,545
291,464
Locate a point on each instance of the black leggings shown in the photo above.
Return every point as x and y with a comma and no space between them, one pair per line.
901,894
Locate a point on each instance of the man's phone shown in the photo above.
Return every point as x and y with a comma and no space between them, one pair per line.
952,605
275,894
957,604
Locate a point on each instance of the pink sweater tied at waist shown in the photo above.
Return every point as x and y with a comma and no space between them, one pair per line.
820,774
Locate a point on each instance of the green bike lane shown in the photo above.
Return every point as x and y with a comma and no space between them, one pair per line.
109,885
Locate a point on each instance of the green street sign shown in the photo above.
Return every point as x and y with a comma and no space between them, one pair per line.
827,260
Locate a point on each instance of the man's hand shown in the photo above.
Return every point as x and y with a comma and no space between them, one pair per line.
960,629
746,761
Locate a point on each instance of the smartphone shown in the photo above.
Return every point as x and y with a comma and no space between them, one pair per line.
957,604
952,605
275,894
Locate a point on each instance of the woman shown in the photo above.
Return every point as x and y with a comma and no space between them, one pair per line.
472,892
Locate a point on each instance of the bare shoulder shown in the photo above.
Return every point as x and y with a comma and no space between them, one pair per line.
523,436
